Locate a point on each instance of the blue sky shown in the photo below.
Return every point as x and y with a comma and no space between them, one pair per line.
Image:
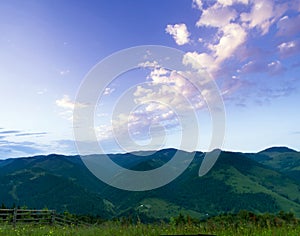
249,47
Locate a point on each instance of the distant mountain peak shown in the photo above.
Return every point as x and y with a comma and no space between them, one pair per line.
279,149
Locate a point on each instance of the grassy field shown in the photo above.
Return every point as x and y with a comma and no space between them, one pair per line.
112,228
242,223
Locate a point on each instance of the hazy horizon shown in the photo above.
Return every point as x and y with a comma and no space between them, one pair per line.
114,153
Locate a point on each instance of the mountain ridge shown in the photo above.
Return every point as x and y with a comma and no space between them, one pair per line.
237,181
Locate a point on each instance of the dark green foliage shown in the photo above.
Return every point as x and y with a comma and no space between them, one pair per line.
236,182
282,159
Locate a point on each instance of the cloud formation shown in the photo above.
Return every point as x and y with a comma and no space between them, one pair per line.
32,134
235,46
289,48
68,105
108,91
9,149
288,25
179,32
260,17
216,16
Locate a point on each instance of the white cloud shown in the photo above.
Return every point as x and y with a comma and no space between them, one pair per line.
138,123
104,132
252,67
159,75
272,68
288,26
197,4
108,91
179,32
260,15
200,61
41,92
289,48
216,16
232,2
229,36
65,102
163,93
150,64
172,88
275,67
233,36
64,72
200,40
68,106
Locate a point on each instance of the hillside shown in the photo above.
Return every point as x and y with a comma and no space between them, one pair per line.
237,181
282,159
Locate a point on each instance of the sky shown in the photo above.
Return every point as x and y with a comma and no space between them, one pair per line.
250,48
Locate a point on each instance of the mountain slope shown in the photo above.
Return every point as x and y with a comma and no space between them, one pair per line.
282,159
236,182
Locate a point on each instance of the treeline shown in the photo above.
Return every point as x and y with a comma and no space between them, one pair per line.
225,220
243,217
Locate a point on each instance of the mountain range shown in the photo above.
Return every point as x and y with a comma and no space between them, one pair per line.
267,181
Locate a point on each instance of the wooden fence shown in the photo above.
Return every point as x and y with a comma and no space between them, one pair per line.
50,217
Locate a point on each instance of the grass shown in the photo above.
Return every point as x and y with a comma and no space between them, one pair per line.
158,208
285,194
116,228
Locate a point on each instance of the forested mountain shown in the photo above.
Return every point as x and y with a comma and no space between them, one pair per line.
267,181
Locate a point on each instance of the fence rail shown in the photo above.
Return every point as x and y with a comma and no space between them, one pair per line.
15,216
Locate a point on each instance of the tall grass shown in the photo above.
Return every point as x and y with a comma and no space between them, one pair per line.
116,228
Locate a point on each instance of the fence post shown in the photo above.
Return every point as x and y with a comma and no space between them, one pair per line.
15,217
52,217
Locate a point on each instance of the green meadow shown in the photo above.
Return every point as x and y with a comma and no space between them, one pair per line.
148,229
243,223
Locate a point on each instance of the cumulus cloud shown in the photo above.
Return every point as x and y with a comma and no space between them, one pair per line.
216,16
65,102
233,36
232,2
228,38
197,4
68,106
260,15
200,61
138,126
165,97
172,88
179,32
229,32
